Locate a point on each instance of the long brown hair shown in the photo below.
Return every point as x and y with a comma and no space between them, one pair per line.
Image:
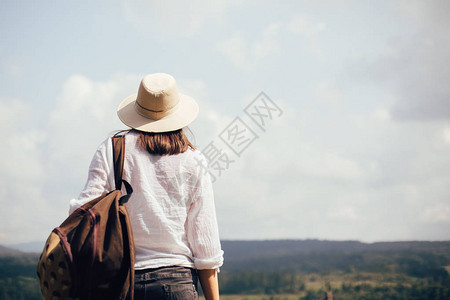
165,143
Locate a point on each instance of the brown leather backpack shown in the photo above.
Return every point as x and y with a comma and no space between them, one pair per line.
91,254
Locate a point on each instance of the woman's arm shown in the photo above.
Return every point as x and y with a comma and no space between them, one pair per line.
209,283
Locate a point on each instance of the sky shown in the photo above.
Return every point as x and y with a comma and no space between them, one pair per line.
340,109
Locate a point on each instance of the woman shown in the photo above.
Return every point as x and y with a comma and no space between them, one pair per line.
172,207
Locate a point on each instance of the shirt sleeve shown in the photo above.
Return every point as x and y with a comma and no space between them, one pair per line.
99,179
202,227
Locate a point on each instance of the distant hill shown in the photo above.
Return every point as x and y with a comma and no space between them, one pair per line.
8,251
28,247
273,248
317,255
240,250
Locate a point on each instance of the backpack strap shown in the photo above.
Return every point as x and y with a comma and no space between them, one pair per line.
118,142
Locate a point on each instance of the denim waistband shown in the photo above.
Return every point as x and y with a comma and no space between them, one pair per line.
165,272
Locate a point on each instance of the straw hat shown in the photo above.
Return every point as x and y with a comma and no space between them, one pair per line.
157,106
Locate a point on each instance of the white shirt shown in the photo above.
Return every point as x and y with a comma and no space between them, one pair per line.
171,210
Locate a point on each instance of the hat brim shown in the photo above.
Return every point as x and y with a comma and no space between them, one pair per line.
185,112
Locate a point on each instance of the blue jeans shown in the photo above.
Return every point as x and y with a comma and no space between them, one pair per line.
167,283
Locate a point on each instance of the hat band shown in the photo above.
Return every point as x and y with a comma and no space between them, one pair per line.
154,114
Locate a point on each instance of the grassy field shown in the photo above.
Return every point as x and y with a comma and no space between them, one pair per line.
357,285
259,297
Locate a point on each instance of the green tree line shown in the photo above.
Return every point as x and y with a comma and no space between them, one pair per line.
18,278
406,275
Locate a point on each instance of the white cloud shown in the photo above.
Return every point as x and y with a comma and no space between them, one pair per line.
284,187
437,214
343,213
235,48
15,69
268,43
411,66
329,93
382,114
329,166
311,29
431,15
446,135
370,182
179,17
21,170
375,188
85,112
304,25
246,53
20,142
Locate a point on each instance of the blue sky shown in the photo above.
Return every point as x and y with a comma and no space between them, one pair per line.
360,151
